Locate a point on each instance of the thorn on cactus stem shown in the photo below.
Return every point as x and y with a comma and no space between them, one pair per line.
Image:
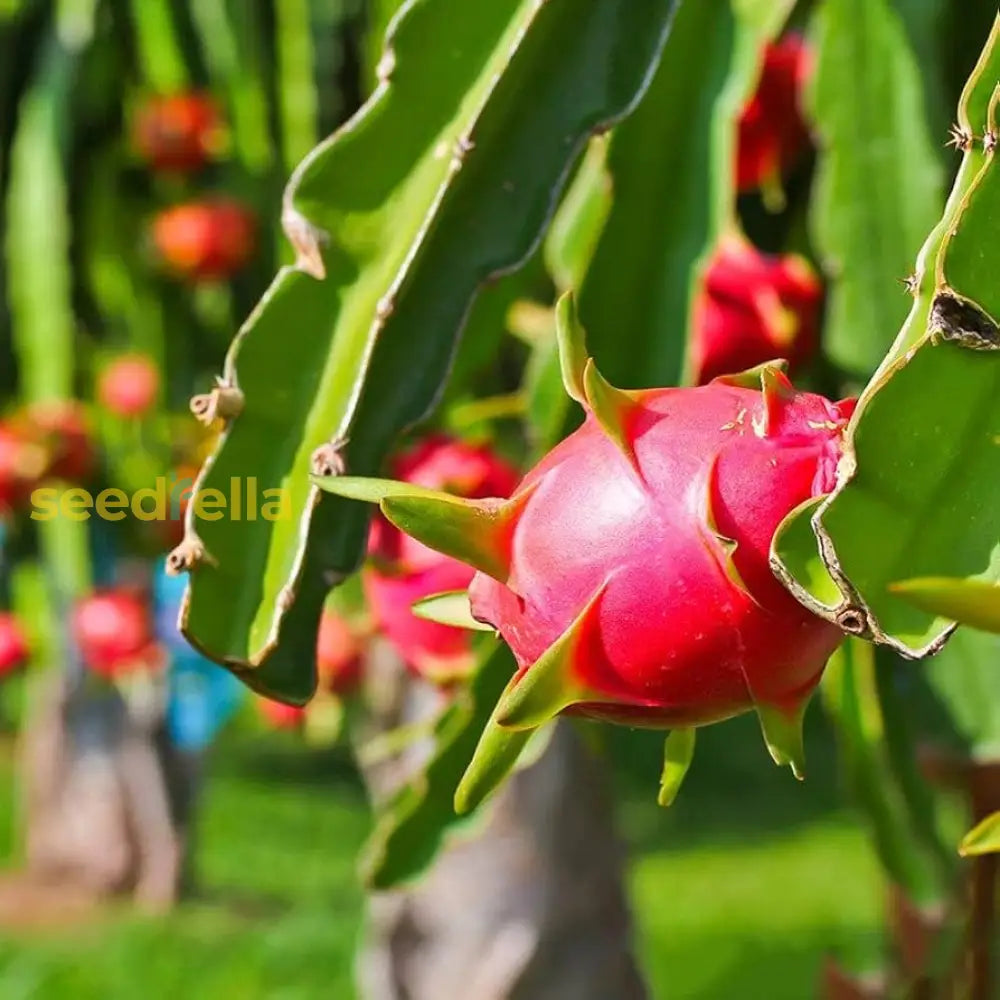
989,142
960,138
190,553
911,283
307,241
328,459
224,402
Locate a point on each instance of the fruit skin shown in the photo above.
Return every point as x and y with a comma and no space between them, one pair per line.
402,571
178,132
113,633
753,308
14,650
772,132
338,655
653,557
129,385
205,240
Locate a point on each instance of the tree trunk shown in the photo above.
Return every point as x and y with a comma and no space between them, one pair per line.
530,905
104,801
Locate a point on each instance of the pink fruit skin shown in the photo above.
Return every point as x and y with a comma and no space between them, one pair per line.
112,630
754,308
403,571
674,640
13,644
772,131
129,385
338,655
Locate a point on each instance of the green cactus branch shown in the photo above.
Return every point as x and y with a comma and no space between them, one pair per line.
879,186
918,486
638,315
444,179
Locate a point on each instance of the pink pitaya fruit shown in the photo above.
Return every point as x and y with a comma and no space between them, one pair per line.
403,571
629,572
754,307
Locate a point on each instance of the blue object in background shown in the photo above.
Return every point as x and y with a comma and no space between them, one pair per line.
202,696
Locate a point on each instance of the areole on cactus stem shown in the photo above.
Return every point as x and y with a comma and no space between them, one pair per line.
629,570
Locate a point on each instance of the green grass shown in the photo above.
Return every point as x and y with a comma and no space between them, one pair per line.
739,890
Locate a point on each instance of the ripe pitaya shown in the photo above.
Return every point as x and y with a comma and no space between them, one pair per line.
13,644
338,654
129,385
179,132
403,571
772,131
205,240
629,572
113,632
754,308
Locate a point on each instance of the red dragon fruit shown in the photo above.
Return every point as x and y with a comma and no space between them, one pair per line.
205,240
338,654
403,571
772,131
754,308
113,631
179,132
629,572
129,385
13,644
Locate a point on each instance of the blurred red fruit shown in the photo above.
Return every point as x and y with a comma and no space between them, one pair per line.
279,715
772,131
754,308
128,386
22,463
180,132
338,655
206,240
60,429
13,644
403,570
113,632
